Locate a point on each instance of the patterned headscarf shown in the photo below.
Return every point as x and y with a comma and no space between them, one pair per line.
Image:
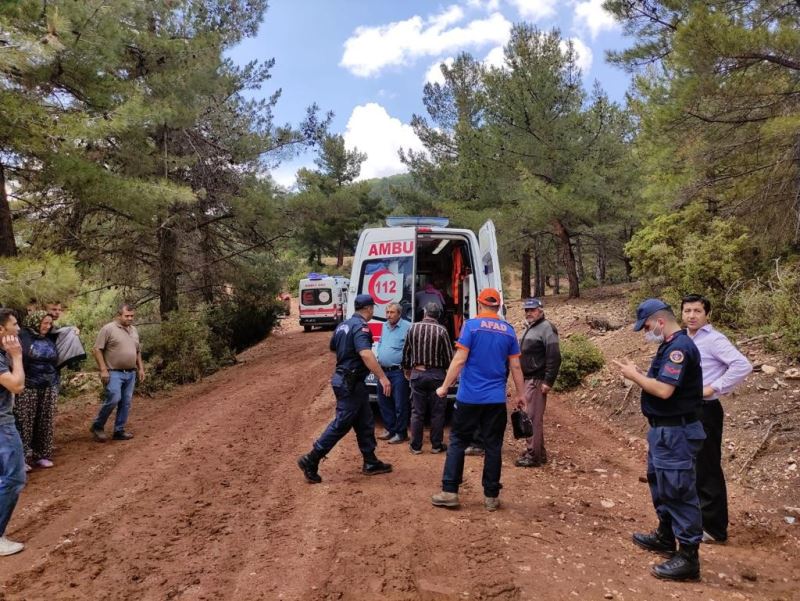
34,319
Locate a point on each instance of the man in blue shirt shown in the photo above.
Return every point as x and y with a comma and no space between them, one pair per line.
672,392
12,456
395,407
352,343
485,350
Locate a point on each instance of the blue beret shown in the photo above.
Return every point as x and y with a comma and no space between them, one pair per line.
646,309
363,300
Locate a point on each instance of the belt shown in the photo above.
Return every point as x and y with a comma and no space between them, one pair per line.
672,420
125,370
705,402
391,367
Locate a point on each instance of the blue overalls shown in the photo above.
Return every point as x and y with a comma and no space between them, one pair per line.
675,437
352,398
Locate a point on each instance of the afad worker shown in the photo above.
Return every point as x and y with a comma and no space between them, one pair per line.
486,349
672,393
352,343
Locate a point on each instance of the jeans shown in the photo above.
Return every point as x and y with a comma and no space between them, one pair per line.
491,420
352,411
710,478
423,398
119,394
12,472
671,464
396,408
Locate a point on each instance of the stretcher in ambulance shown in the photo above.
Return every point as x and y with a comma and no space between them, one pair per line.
323,300
413,256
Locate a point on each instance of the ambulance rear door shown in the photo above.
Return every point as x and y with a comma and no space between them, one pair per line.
489,261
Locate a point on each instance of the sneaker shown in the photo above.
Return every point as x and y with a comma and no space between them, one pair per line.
385,435
397,439
98,434
440,449
122,435
527,461
445,499
473,451
415,450
9,547
491,503
45,463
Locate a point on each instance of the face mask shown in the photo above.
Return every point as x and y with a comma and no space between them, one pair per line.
651,336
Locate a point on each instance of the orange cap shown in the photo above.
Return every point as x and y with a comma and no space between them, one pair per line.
489,297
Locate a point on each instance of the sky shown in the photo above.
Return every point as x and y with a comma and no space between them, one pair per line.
367,61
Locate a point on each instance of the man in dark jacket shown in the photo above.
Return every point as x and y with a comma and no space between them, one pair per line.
541,360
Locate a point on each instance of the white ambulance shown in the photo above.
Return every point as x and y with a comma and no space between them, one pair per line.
399,262
323,300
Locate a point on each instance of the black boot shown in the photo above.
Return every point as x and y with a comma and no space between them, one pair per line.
661,540
684,565
309,463
373,465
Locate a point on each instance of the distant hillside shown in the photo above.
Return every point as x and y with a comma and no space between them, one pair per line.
384,187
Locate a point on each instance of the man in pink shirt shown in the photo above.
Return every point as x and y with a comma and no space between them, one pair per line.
724,367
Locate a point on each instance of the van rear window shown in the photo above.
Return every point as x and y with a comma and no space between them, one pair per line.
316,296
388,281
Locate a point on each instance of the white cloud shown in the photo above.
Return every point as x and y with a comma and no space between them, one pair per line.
286,175
535,9
487,5
592,16
495,58
434,73
584,54
374,132
371,49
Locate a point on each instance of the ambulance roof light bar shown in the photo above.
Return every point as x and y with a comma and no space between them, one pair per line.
400,221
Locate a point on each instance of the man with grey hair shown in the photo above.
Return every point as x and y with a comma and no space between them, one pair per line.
119,357
394,407
426,355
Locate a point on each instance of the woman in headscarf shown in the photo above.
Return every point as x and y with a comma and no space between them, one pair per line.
35,407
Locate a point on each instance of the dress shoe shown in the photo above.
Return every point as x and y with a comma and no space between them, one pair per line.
98,434
445,499
372,468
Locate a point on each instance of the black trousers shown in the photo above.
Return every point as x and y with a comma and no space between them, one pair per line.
710,480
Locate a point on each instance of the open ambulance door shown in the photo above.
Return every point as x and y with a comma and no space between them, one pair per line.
490,264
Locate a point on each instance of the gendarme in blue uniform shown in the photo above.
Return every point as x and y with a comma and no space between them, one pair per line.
352,398
675,437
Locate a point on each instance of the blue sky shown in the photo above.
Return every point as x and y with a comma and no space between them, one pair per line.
368,60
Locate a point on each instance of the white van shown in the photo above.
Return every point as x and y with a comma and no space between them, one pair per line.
393,263
323,300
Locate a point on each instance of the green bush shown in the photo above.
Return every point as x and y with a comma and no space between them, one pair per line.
692,252
579,357
180,350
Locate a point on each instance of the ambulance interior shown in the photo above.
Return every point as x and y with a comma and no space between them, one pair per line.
444,261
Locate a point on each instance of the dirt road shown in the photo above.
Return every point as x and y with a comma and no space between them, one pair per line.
207,503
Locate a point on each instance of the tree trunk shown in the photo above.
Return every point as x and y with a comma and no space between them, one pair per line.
600,271
525,287
569,258
207,252
8,246
339,254
168,261
579,257
556,281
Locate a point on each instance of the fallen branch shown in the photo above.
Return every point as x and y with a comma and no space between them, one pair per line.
758,448
624,402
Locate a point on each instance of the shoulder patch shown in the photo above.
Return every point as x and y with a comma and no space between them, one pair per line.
365,329
676,357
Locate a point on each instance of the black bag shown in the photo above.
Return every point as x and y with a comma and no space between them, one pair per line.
521,424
